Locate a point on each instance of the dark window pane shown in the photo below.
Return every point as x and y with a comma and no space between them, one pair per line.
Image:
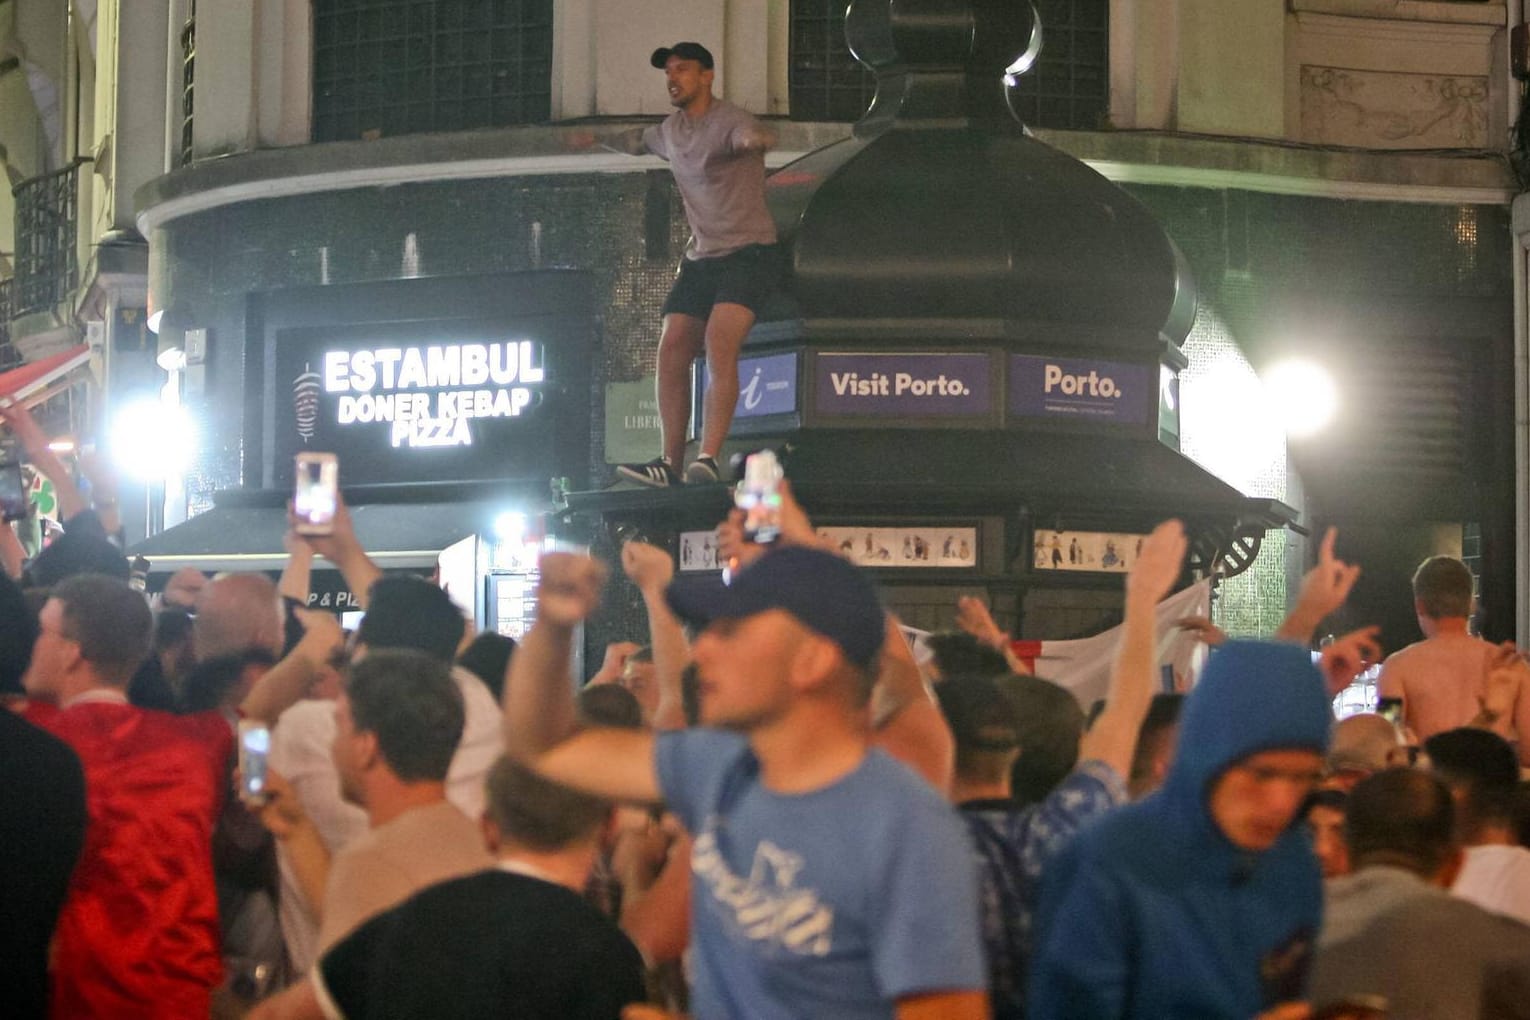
826,82
404,66
1070,85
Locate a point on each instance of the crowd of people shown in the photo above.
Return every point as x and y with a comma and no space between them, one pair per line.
776,806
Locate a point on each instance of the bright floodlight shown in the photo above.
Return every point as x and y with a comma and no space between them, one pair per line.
510,528
151,440
1304,396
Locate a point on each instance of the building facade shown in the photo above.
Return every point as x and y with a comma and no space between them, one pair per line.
1337,173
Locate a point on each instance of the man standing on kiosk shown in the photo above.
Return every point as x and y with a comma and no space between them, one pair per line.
717,153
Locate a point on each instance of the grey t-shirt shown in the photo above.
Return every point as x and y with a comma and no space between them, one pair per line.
721,183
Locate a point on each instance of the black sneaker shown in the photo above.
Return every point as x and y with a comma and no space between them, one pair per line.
656,474
703,471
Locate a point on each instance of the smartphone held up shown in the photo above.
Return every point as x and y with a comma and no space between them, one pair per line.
316,494
758,494
254,751
15,505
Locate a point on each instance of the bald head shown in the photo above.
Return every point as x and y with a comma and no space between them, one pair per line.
1363,742
183,588
238,613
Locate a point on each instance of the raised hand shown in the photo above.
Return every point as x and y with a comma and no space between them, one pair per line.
733,549
341,540
1203,630
973,618
1349,656
647,566
1324,589
1506,675
1159,564
25,428
796,527
322,636
617,654
570,588
281,812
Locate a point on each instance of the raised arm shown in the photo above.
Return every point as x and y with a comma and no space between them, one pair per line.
289,681
342,548
297,573
103,490
283,816
1113,737
909,723
1324,589
12,553
540,717
628,142
651,570
25,428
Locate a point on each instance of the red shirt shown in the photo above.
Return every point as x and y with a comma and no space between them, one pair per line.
138,935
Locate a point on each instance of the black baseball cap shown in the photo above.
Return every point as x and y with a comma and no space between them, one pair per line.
685,51
823,591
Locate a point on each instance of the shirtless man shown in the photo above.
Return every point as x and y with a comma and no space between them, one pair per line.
1442,679
717,153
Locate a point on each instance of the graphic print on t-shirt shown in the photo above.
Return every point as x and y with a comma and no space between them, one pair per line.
767,906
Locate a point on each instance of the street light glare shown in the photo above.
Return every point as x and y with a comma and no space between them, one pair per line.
1303,394
510,528
152,441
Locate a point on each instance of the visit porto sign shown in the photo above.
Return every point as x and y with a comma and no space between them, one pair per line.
897,385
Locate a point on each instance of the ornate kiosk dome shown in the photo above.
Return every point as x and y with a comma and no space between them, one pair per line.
943,217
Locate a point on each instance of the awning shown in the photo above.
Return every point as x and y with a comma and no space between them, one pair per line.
856,472
244,537
35,378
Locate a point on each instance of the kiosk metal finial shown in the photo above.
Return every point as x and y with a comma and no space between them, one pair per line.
942,62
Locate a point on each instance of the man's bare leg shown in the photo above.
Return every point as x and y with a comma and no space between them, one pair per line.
679,345
726,328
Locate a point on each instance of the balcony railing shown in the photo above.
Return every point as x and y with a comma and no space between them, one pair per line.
188,83
9,356
46,266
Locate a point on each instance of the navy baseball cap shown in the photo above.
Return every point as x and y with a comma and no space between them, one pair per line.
685,51
823,591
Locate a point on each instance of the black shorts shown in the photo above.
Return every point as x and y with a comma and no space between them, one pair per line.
745,277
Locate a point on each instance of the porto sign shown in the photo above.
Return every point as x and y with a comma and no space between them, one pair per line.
1081,389
428,396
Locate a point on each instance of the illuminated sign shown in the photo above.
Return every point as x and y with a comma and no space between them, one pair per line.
903,386
427,396
451,379
1079,389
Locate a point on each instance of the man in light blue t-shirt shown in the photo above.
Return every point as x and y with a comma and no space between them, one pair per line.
827,878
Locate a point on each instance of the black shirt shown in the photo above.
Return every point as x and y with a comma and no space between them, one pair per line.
491,944
42,830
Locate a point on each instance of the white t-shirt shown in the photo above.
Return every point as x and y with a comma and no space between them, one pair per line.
301,751
1497,878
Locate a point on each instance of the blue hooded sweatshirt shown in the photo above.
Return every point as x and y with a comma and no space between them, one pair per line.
1152,912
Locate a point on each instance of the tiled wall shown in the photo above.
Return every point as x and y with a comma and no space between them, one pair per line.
207,263
1256,253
